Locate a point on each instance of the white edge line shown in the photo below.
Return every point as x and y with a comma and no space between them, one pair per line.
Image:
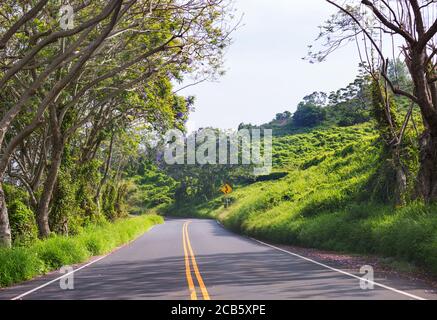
57,279
335,269
74,271
342,272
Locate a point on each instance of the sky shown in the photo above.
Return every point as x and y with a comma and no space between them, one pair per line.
265,73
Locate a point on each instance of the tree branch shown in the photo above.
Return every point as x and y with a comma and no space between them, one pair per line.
387,23
17,25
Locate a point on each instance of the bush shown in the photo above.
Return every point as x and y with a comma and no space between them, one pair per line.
18,264
109,198
13,193
66,216
23,225
59,251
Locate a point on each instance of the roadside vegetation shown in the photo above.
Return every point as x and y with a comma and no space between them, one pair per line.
333,199
82,86
25,262
335,183
78,101
82,110
360,163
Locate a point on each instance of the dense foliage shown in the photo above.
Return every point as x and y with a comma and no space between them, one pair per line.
309,115
76,100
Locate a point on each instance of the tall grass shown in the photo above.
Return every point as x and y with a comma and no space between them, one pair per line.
23,263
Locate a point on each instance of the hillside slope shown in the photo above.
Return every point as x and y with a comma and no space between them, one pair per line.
330,199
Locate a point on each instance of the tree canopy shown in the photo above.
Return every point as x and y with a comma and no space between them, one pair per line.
72,98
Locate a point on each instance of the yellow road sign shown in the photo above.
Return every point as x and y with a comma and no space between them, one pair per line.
226,189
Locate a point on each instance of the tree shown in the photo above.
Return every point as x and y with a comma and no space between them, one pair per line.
316,98
68,88
203,181
283,116
16,61
309,115
398,74
408,28
350,105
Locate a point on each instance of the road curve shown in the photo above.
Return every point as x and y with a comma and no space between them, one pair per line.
198,259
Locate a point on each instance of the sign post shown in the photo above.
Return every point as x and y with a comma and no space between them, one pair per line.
226,189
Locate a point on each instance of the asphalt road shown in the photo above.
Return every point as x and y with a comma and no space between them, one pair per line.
198,259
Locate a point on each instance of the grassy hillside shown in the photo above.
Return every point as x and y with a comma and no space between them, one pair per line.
330,199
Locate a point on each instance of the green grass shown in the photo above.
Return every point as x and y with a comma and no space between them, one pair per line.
331,200
23,263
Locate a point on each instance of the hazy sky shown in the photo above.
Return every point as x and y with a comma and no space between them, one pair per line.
265,71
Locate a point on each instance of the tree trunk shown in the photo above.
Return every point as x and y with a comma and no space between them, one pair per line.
105,175
401,186
427,178
401,177
46,197
5,229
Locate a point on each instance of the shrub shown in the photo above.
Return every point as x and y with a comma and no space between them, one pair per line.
18,264
23,225
13,193
66,216
109,199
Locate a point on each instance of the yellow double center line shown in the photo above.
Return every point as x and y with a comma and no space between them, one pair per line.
189,255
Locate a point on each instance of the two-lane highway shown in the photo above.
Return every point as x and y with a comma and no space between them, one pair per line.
198,259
